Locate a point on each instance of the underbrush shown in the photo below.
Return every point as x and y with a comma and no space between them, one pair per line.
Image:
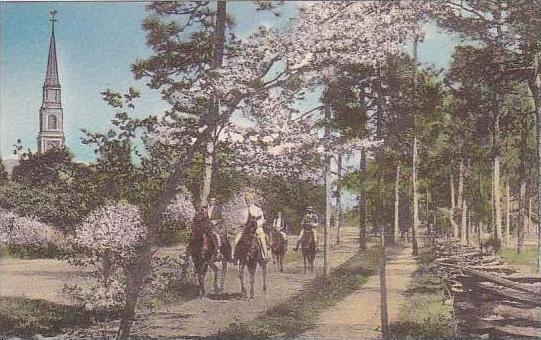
424,313
26,317
527,257
300,312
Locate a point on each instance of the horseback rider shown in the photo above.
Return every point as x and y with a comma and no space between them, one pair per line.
200,225
280,225
215,216
309,222
256,213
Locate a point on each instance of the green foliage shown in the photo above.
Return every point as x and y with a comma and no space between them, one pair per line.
48,186
53,167
291,197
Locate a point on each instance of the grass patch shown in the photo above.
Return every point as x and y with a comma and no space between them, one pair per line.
26,317
424,313
528,256
299,313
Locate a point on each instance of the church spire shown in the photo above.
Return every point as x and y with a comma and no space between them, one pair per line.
51,115
51,77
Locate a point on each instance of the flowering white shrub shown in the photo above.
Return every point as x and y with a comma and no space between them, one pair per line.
28,236
235,211
108,239
113,230
180,210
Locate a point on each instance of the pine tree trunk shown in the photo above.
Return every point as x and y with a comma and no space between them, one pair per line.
338,215
383,288
523,217
529,216
470,230
219,44
362,201
397,204
497,200
454,225
535,87
328,199
463,222
460,201
415,227
507,213
427,210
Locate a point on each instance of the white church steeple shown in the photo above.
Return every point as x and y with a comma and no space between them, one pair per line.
51,126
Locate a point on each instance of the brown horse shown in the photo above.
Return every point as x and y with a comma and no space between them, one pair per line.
203,251
278,246
308,246
248,253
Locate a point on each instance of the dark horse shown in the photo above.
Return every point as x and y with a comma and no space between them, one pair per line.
203,251
248,253
308,246
278,246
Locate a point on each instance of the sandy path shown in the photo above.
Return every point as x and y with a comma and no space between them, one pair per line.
205,317
358,315
37,279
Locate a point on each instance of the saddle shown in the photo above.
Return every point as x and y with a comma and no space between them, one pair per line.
308,237
247,246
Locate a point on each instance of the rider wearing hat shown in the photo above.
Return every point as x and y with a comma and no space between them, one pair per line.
255,212
309,221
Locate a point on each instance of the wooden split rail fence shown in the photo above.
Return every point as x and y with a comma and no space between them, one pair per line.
490,298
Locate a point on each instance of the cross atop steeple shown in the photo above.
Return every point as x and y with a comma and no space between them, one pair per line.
53,19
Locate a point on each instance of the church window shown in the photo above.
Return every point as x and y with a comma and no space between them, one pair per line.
52,123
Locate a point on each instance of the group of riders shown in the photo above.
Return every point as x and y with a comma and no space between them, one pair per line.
208,221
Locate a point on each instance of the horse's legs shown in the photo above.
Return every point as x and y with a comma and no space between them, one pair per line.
201,273
214,268
241,277
304,259
251,270
224,273
263,265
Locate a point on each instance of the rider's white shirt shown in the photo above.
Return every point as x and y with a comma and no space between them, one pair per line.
256,211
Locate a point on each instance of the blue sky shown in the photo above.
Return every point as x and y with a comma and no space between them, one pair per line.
96,44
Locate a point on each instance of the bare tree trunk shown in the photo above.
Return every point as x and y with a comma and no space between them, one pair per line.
463,222
454,225
529,216
523,218
383,288
397,203
328,198
142,265
415,226
470,230
362,201
507,213
427,210
497,200
535,87
219,44
460,201
338,216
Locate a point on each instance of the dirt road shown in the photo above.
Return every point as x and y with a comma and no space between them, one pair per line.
358,315
205,317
